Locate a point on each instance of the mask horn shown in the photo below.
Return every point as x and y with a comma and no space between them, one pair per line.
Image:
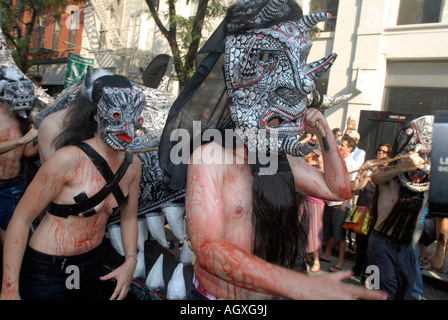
317,68
309,21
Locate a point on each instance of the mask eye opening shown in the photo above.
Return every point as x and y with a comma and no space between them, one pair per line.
264,57
116,115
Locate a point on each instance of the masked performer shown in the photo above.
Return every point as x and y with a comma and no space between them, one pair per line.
400,202
16,135
89,178
242,216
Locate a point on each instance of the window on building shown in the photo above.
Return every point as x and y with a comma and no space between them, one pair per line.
419,11
38,41
56,31
71,38
74,22
416,100
102,40
330,6
416,87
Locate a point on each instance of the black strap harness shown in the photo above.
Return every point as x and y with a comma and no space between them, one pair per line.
84,205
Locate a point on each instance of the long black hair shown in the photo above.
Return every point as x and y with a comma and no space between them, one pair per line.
278,236
80,123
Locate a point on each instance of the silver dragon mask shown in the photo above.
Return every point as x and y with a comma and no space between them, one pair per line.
119,115
267,77
417,136
17,91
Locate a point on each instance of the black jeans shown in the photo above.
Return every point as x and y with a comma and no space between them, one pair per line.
46,277
396,262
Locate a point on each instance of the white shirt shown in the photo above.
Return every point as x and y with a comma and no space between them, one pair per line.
351,165
359,156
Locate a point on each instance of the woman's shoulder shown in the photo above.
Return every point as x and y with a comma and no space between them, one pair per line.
210,153
65,156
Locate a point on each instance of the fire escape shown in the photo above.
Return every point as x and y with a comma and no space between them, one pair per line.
114,36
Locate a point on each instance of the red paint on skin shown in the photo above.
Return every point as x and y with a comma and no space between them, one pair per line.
219,258
41,198
227,261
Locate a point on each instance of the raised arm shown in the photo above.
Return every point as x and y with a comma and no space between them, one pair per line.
411,162
334,182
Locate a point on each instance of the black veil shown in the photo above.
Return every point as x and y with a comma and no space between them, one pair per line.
203,101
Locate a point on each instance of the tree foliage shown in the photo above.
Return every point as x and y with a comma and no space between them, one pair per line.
184,35
18,21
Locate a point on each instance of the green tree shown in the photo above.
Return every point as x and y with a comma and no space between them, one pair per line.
184,35
18,32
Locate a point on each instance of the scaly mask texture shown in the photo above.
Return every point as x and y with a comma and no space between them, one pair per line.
119,116
267,76
417,136
17,92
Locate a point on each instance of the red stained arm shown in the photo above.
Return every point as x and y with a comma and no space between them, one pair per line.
334,182
45,186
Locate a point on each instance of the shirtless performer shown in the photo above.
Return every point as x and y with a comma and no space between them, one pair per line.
72,183
16,136
243,225
402,198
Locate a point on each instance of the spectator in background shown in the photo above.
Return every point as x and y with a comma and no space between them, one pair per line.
335,212
311,210
337,133
351,125
359,155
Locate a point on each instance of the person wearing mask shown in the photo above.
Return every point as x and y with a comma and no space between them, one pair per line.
89,178
398,206
242,216
17,135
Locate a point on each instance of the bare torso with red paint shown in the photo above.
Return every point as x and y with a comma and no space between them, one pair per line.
236,227
75,234
10,161
219,215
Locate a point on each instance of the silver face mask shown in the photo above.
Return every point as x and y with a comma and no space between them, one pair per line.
268,79
119,116
417,136
20,96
